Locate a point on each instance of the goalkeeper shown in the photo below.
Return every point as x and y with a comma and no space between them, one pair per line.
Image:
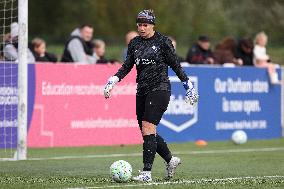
152,53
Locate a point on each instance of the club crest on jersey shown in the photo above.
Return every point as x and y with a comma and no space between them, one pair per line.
180,115
137,61
155,48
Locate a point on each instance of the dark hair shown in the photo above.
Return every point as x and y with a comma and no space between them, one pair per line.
246,42
224,51
203,38
85,25
227,43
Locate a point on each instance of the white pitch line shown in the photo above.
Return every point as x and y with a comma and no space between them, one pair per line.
178,153
195,181
232,151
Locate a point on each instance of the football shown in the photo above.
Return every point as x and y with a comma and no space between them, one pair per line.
239,137
121,171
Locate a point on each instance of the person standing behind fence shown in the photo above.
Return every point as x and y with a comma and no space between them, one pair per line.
200,52
128,37
99,48
244,51
39,51
10,50
224,52
78,47
261,58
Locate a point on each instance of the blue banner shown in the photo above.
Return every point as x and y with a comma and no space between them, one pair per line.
230,99
8,104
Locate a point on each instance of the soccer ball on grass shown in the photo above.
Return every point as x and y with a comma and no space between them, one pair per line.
239,137
121,171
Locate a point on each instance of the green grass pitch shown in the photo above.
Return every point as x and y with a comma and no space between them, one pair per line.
258,164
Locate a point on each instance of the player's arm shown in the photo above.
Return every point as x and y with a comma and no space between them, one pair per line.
122,72
172,60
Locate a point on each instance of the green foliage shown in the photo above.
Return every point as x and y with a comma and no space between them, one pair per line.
183,19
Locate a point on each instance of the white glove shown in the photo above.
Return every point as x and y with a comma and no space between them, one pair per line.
191,95
109,86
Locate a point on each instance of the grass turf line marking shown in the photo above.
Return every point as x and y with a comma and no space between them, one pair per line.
195,181
177,153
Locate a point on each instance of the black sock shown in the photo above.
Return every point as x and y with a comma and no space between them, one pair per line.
149,151
162,149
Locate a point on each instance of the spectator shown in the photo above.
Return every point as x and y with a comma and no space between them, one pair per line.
262,60
78,47
174,42
99,49
128,37
39,51
244,52
11,46
6,38
200,52
224,52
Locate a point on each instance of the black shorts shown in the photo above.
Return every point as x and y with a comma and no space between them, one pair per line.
152,106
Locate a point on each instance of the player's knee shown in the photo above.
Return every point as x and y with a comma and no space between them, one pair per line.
148,128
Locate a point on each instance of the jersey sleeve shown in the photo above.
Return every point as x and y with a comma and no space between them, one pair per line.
172,60
128,63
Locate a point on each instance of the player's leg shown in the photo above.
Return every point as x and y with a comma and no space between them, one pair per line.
158,102
149,144
155,105
162,149
148,131
171,161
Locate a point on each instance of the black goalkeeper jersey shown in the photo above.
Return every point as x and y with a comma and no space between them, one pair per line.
152,57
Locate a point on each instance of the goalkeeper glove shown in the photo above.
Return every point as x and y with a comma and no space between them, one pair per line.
191,95
109,86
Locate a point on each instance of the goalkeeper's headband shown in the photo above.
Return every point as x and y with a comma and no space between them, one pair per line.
146,16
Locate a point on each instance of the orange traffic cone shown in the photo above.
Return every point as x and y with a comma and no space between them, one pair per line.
200,143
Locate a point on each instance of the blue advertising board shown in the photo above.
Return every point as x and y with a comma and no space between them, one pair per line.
8,104
230,99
